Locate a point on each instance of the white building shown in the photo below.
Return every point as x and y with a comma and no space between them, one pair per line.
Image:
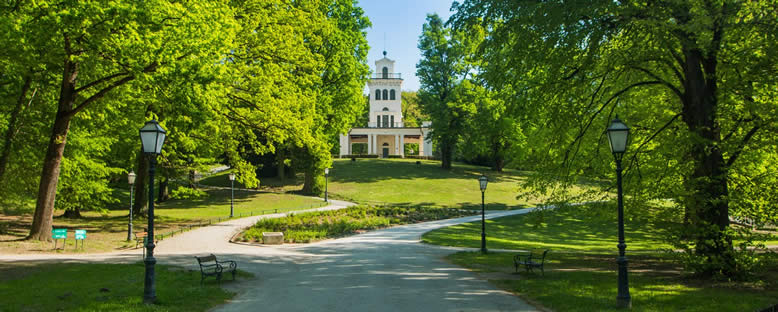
385,133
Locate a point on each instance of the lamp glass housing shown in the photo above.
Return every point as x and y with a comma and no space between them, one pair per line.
131,177
618,136
153,137
482,181
231,176
326,170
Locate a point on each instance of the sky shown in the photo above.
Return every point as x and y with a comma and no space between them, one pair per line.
400,21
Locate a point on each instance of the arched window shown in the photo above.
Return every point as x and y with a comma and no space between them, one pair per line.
391,94
385,95
386,109
377,94
385,144
385,72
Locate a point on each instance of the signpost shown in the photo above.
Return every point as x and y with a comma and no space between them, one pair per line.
80,235
59,234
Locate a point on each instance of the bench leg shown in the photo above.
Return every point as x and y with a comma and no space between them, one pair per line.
233,275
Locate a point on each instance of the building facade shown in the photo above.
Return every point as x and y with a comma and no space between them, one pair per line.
385,133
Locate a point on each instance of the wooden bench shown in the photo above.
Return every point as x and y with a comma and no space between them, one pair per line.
140,238
209,266
529,262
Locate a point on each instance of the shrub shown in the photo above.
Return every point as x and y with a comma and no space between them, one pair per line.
312,226
183,192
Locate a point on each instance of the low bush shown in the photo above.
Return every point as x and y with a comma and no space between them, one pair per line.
313,226
183,192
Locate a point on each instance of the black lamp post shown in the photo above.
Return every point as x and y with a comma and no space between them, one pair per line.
232,194
131,181
618,135
326,179
152,136
482,181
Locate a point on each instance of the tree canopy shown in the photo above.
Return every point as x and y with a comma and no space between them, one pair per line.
694,79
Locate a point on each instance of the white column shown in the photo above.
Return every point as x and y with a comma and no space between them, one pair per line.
397,144
402,145
369,143
345,145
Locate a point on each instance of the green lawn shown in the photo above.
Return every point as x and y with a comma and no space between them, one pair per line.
581,265
573,228
403,182
102,287
587,282
108,231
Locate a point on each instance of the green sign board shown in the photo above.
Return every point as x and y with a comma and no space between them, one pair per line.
59,233
80,234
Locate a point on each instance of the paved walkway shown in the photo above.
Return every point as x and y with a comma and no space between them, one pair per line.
384,270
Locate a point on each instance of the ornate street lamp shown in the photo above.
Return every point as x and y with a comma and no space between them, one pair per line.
482,181
326,178
618,138
153,137
131,181
232,194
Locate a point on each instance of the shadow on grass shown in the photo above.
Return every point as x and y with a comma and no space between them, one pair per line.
373,170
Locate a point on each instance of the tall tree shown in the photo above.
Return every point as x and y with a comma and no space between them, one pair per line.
98,47
439,71
690,76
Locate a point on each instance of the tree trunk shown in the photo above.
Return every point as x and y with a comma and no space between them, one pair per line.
445,155
47,191
10,133
74,213
309,182
280,157
163,194
141,201
707,201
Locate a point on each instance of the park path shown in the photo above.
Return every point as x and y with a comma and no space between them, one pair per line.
383,270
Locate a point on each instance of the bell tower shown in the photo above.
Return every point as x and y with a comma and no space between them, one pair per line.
385,95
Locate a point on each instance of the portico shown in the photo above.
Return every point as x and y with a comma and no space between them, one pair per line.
386,133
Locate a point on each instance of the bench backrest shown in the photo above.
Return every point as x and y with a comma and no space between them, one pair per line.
543,258
141,234
210,258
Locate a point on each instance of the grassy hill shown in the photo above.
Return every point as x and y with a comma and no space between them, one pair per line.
403,182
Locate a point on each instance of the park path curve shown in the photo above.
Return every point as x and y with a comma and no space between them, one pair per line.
382,270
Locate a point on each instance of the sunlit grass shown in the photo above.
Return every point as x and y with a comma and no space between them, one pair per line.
102,287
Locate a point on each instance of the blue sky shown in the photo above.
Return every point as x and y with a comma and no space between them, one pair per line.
401,22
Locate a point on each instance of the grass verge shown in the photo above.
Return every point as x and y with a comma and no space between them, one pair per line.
581,269
578,282
312,226
102,287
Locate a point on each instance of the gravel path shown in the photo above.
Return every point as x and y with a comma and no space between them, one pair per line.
384,270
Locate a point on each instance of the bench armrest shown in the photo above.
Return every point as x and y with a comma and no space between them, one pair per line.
232,264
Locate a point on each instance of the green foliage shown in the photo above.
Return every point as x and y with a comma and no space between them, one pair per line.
311,226
183,192
440,71
677,73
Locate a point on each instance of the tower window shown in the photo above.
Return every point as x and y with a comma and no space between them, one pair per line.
391,94
392,120
386,109
377,94
385,72
385,95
